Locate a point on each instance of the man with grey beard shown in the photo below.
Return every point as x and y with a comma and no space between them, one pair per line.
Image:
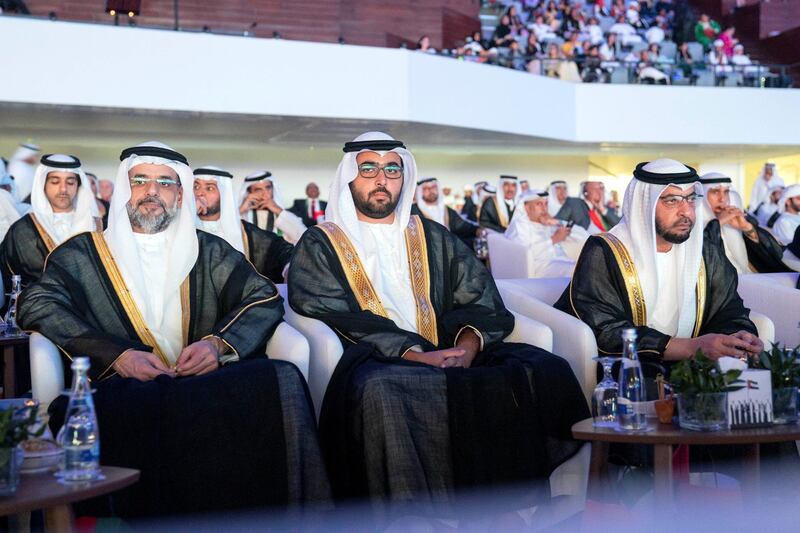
158,307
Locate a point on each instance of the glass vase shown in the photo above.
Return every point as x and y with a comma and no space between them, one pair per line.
703,412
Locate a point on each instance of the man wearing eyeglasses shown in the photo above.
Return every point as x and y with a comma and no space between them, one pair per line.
158,306
425,375
62,206
653,271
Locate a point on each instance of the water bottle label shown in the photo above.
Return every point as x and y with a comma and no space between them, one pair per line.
625,406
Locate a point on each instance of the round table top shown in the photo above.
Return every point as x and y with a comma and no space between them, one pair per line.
672,434
40,491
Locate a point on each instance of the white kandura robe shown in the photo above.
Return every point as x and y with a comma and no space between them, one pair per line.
152,250
385,261
785,227
289,224
545,258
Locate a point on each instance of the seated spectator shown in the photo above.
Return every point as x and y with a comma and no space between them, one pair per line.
742,63
706,31
657,33
626,33
654,51
593,71
594,32
503,36
541,30
618,9
552,248
686,63
571,46
633,17
424,45
648,71
573,23
552,10
534,53
608,51
728,40
515,57
557,66
517,26
719,61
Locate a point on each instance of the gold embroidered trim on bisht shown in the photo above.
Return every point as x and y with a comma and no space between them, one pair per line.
186,311
125,297
245,243
48,240
631,278
701,297
357,277
417,249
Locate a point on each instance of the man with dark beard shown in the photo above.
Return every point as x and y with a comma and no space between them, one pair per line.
427,399
678,291
158,306
217,213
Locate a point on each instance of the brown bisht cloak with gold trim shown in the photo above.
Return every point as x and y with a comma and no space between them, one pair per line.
605,294
411,436
242,436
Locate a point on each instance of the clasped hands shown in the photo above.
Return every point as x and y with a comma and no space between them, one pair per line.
459,356
198,358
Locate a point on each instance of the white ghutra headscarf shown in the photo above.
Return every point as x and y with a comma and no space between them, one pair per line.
22,170
229,225
380,247
553,205
637,231
62,226
732,238
436,212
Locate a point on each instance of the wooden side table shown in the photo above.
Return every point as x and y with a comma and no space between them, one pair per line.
43,491
663,436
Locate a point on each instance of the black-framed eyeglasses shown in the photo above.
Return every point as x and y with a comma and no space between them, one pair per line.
392,171
673,201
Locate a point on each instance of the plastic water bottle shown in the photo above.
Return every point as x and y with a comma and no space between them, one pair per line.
80,436
12,329
630,402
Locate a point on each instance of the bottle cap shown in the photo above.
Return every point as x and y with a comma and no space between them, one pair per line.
629,334
80,363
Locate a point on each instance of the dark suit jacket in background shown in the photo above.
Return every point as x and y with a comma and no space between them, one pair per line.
576,210
300,208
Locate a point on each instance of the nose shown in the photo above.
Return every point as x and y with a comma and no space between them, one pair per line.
380,179
685,209
152,188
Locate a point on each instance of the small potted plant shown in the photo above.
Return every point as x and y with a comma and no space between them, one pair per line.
16,426
785,373
703,392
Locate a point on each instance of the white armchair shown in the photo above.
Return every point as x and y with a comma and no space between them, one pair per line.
775,296
572,339
47,370
509,259
325,350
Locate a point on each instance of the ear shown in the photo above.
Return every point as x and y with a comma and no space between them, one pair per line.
179,203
